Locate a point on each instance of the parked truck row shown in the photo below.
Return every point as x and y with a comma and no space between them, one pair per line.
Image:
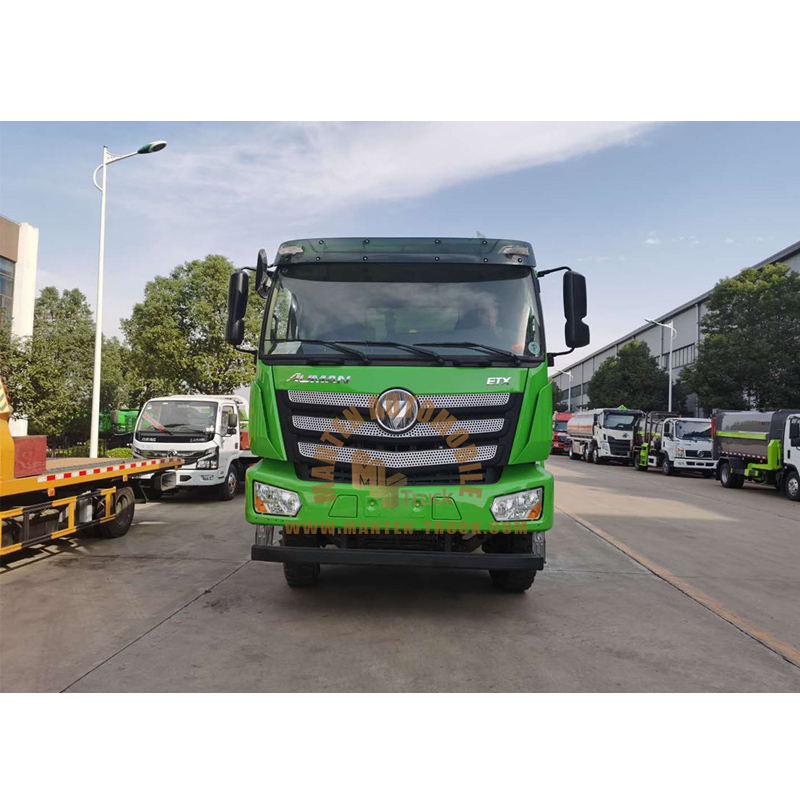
732,446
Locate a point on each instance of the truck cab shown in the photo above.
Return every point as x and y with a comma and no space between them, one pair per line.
560,436
209,432
674,444
400,405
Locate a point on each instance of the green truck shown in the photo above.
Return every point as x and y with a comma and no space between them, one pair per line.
401,406
758,446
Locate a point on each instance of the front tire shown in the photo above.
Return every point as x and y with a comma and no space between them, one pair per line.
227,490
124,503
666,466
299,575
791,486
573,456
728,479
512,580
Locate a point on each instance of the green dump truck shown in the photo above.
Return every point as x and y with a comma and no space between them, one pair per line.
758,446
400,406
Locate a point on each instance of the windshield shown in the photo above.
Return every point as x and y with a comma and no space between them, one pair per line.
560,425
693,429
165,418
407,304
619,422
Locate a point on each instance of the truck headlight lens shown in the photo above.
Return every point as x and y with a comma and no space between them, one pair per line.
681,451
209,460
272,500
525,505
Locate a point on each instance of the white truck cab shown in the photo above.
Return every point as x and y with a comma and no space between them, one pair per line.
686,445
209,432
674,444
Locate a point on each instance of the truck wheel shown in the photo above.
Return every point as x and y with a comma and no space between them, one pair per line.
123,509
728,479
666,466
590,456
298,575
791,485
227,489
512,580
574,456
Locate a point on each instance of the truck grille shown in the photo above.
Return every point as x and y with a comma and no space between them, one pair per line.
698,454
421,454
619,447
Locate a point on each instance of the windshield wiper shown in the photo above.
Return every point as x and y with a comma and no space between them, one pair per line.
409,347
485,347
333,345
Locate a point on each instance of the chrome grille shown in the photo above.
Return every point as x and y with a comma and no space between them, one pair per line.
396,460
363,400
320,425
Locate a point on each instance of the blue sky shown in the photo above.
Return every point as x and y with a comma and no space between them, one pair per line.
652,214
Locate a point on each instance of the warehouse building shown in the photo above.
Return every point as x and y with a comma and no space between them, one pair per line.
686,321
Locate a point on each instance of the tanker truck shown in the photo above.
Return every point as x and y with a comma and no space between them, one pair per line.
601,435
758,446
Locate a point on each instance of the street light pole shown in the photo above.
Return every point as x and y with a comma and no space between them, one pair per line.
672,334
108,158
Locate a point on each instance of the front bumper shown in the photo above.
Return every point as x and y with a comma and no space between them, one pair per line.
192,478
694,463
397,558
445,509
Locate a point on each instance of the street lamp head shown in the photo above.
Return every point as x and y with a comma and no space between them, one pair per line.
152,147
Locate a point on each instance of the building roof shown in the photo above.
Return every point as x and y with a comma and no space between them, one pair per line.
787,252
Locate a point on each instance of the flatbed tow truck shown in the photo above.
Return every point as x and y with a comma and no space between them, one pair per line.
46,499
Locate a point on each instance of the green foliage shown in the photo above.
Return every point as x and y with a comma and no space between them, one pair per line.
49,374
177,333
119,452
749,356
631,378
559,397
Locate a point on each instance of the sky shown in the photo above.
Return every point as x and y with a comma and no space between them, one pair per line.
652,214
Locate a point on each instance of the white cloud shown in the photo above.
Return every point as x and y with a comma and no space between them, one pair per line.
652,240
304,170
592,259
729,241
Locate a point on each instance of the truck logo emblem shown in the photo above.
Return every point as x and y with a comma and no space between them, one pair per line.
298,377
396,410
497,381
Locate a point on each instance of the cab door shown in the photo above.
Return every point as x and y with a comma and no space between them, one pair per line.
229,434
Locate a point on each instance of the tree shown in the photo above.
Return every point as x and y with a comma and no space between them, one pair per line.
49,374
176,334
559,399
749,354
631,378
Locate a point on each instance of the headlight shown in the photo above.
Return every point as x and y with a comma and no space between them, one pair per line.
272,500
209,459
136,452
681,451
525,505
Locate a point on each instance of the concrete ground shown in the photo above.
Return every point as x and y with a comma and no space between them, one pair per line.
652,584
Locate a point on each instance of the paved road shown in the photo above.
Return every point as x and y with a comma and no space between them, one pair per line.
652,584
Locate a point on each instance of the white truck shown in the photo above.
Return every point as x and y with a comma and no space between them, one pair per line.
674,444
602,434
209,432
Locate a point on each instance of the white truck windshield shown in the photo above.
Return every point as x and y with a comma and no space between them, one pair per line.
163,418
619,422
693,429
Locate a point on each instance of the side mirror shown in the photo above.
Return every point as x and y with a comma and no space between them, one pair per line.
233,422
576,331
262,276
238,286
